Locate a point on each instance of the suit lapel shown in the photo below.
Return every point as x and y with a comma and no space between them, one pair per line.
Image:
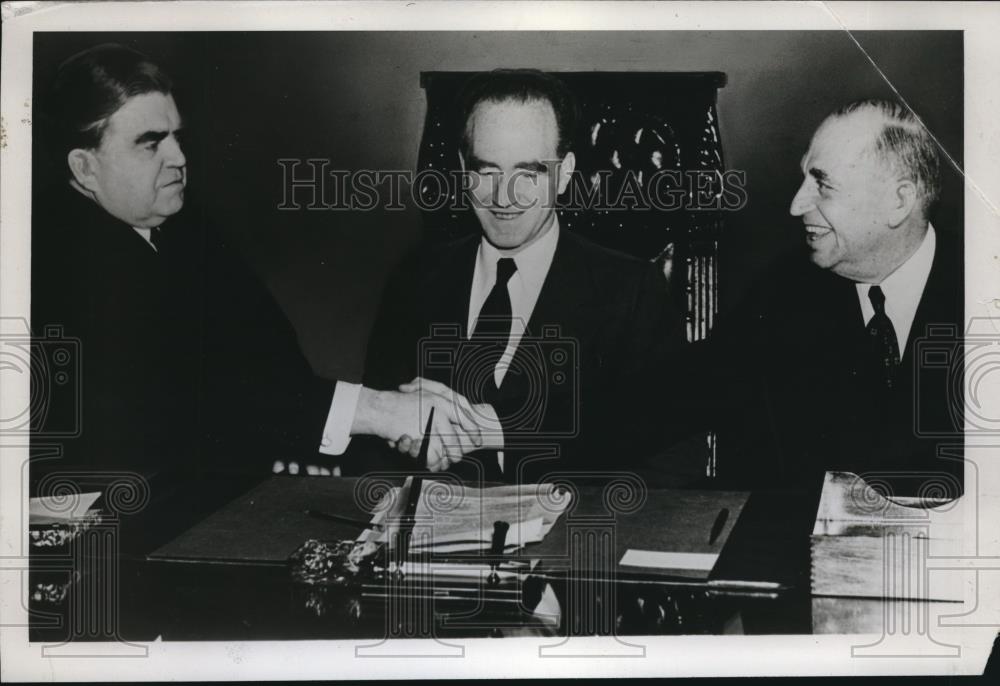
567,288
562,302
848,318
941,302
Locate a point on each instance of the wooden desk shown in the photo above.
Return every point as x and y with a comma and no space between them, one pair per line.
255,598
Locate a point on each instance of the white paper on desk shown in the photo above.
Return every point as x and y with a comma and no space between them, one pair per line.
651,559
56,508
519,534
456,517
433,537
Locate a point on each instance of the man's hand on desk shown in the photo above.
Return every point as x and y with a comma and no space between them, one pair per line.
459,441
396,415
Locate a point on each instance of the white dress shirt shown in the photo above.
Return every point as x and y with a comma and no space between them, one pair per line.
533,264
337,431
525,284
902,290
145,234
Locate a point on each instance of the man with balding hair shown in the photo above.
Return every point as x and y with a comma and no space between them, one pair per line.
819,363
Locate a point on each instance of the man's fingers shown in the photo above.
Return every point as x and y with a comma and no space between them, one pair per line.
458,445
466,445
450,437
462,413
421,384
437,462
471,425
457,407
436,457
457,410
432,386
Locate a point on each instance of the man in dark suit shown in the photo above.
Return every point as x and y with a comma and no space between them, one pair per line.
819,368
185,359
549,335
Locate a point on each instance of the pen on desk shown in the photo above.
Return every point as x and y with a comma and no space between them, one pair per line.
413,496
720,522
340,518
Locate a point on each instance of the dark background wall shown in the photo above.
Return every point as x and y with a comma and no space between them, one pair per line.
354,98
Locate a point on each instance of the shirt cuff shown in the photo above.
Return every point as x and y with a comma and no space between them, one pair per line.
337,432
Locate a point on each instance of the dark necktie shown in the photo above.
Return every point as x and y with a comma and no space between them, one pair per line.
481,354
154,238
493,326
883,336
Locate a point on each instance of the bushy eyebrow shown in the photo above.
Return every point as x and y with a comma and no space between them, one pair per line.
532,166
150,137
155,136
819,174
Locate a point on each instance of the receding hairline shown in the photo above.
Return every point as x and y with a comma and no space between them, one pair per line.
525,101
881,119
877,122
899,143
875,118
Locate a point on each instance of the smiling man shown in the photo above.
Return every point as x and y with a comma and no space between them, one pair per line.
865,197
871,175
549,335
185,360
820,364
514,188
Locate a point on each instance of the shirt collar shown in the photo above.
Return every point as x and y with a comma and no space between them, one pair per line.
908,281
145,234
532,262
903,288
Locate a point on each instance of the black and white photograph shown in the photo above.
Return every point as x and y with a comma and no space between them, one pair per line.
480,340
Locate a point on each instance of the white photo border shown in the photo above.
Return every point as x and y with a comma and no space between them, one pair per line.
665,656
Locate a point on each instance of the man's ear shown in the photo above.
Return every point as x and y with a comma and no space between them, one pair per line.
903,202
566,169
84,166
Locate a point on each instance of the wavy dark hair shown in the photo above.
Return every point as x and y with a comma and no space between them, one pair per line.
91,86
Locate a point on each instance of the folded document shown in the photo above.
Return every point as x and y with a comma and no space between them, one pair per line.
453,517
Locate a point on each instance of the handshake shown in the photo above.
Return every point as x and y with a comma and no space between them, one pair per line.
400,418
